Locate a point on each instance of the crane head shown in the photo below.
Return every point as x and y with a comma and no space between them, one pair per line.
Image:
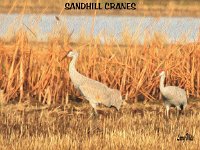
162,73
70,54
116,99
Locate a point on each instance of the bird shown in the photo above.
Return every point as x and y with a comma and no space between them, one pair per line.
172,96
93,91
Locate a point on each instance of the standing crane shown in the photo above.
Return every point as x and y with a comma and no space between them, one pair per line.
172,96
94,91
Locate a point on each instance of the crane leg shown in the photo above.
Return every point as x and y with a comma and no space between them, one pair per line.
183,111
167,111
94,109
178,111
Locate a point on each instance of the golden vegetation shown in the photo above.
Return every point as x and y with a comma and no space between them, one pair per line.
40,108
36,70
48,115
141,126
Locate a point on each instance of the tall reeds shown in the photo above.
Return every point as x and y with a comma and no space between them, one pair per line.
38,71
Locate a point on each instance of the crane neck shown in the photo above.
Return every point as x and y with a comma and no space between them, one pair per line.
76,77
162,80
73,63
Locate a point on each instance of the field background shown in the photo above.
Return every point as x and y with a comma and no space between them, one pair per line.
40,109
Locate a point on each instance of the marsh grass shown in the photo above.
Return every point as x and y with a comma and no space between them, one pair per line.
35,70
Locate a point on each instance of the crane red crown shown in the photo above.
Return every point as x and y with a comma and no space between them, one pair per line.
160,70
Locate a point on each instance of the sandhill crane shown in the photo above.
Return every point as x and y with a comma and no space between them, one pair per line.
94,91
172,96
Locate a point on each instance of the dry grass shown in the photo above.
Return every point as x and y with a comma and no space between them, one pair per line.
35,70
47,114
142,126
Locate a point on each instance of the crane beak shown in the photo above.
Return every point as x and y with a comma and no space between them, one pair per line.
64,57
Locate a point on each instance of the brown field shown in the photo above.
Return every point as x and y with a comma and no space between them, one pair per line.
138,126
40,109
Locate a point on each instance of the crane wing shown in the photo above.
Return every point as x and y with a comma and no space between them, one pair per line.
96,92
172,92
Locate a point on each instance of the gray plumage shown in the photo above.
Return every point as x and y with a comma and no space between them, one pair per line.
94,91
172,96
